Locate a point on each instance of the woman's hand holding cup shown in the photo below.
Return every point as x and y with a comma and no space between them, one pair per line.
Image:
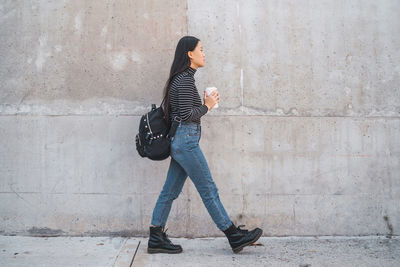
212,99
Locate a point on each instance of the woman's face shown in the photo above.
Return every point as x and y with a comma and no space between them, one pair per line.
197,57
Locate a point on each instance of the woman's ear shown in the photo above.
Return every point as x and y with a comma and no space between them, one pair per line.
189,54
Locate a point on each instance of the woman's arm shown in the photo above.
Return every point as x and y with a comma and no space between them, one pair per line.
187,92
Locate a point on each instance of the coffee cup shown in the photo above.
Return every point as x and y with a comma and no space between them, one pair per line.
209,91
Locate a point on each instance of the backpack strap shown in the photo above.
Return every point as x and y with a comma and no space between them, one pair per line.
173,128
177,120
174,124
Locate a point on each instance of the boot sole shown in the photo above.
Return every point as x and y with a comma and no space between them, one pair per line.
239,248
162,250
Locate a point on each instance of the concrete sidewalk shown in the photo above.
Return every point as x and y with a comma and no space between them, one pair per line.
268,251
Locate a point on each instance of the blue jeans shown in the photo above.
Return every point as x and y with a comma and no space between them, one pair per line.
187,159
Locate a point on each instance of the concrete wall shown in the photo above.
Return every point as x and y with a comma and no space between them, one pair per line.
305,142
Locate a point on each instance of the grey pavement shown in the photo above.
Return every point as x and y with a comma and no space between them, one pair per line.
267,251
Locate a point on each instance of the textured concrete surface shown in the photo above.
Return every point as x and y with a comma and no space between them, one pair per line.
291,179
305,141
118,251
66,251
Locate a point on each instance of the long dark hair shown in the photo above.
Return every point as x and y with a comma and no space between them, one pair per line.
181,63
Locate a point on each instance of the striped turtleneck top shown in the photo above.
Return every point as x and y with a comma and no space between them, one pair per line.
185,99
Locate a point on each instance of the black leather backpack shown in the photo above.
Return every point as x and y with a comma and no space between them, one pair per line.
154,138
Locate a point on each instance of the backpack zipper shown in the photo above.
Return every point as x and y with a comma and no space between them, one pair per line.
147,115
138,140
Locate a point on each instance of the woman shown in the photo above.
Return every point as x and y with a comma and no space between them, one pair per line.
187,159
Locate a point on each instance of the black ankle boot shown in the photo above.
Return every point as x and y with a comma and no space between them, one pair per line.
160,243
239,238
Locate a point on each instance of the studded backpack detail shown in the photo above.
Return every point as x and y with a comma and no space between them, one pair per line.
154,138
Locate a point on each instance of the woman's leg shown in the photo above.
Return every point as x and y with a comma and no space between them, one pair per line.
176,178
193,161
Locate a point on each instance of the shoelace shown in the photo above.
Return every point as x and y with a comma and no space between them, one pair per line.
165,235
243,231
